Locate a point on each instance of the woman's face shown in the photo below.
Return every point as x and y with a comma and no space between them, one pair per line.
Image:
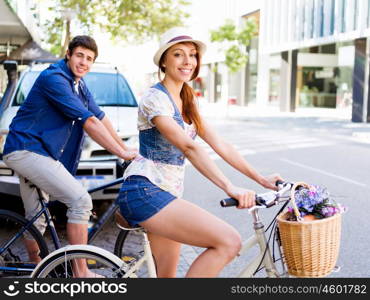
180,62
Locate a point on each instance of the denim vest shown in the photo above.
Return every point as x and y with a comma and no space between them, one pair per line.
156,147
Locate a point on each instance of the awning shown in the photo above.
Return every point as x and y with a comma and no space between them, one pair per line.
11,27
29,52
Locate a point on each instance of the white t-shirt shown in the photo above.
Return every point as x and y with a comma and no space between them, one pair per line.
168,177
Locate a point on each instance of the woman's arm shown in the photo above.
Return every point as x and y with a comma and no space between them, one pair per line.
228,153
201,160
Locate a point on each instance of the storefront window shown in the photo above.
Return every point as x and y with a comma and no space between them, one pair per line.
318,87
324,84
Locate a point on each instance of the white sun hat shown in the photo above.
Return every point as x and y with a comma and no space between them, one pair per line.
173,36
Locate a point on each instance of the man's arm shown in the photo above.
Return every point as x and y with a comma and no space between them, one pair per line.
108,125
100,134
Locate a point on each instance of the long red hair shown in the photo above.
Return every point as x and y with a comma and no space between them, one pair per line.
190,111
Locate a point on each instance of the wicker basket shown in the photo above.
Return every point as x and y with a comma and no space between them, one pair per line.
310,248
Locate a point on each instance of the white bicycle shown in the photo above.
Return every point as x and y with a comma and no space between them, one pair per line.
140,263
60,263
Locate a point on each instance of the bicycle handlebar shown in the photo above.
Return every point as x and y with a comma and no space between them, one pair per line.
233,202
265,200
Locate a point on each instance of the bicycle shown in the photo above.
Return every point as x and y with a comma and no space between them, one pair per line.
113,266
13,255
99,260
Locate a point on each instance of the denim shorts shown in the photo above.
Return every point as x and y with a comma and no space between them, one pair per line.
139,199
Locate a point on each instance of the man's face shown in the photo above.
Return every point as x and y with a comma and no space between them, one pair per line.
80,61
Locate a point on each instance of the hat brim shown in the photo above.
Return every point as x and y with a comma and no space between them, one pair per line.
157,56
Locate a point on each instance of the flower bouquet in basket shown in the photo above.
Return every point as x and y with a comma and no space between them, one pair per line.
313,203
310,231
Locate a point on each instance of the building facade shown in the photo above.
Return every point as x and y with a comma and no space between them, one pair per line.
315,53
17,27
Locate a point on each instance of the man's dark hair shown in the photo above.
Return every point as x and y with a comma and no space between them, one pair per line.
85,42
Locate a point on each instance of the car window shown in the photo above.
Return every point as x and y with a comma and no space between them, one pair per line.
25,86
108,89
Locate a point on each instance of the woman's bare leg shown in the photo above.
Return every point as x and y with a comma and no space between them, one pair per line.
166,253
184,222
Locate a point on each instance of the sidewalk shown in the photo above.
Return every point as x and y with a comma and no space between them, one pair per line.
315,117
222,111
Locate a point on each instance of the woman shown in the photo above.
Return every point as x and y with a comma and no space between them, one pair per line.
151,194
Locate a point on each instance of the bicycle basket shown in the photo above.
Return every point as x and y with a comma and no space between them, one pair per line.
310,248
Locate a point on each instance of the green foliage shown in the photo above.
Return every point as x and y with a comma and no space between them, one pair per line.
235,58
236,55
226,32
132,21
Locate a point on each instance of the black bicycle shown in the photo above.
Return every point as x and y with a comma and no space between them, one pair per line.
14,259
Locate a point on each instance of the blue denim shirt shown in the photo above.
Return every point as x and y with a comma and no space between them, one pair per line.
50,120
156,147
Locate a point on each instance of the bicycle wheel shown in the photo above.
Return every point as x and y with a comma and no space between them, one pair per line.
14,260
129,247
59,264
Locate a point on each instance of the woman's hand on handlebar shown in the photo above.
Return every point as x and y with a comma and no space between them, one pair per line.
246,198
269,182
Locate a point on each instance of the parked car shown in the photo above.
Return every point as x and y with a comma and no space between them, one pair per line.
114,96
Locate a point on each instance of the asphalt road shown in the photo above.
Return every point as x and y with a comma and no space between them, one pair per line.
328,152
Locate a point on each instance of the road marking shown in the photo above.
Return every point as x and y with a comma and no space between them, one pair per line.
325,173
308,145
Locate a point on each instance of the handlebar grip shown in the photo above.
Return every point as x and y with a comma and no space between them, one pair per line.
278,182
233,202
229,202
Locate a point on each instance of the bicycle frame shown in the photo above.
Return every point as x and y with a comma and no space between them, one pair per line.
92,231
264,257
96,228
147,257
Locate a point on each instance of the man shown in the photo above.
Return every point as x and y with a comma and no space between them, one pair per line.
46,136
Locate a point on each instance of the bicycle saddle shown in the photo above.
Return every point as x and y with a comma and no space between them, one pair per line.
122,222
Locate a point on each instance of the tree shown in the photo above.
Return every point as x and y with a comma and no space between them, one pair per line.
132,21
236,55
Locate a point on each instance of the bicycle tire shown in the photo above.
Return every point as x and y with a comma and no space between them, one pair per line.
14,260
58,263
129,248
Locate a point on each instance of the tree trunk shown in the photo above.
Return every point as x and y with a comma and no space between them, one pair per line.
67,39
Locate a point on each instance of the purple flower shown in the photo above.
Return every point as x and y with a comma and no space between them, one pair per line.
315,200
329,211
